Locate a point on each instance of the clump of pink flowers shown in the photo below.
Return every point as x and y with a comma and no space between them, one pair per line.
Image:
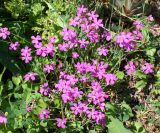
126,40
81,90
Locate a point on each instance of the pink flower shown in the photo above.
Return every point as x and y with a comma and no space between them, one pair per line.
28,109
31,76
44,114
147,68
107,35
68,34
3,119
110,79
61,122
48,68
36,39
84,79
98,116
79,108
83,43
126,40
102,51
81,10
26,54
97,23
74,21
42,51
52,39
92,15
130,67
4,32
138,35
150,18
75,55
44,89
138,24
14,46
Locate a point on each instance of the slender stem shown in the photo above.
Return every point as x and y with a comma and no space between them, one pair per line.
1,75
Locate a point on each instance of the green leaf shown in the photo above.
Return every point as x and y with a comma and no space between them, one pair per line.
151,51
140,84
92,131
17,80
60,21
138,128
120,75
43,124
9,85
140,74
57,102
116,126
126,111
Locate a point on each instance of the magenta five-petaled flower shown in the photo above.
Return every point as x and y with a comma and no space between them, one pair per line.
61,122
126,40
48,68
110,79
31,76
138,24
44,114
147,68
14,46
75,55
107,35
150,18
102,51
26,54
52,39
79,108
130,67
36,39
3,119
4,32
45,89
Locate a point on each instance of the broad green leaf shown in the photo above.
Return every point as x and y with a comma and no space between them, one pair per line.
57,102
151,51
140,75
92,131
140,84
43,124
116,126
17,80
120,75
138,128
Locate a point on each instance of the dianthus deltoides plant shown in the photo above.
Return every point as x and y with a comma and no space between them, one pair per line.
72,74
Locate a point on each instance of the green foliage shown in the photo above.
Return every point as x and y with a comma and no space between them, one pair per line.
132,100
116,126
